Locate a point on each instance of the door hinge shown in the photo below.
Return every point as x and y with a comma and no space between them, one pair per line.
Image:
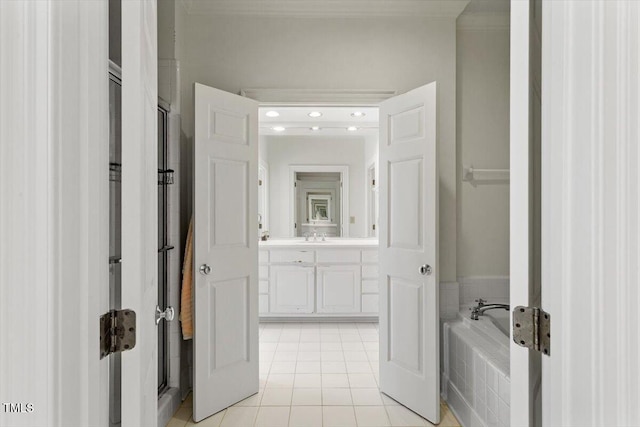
295,225
374,227
259,182
373,182
117,332
532,329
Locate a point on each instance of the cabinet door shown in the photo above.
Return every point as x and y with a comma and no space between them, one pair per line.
291,289
339,289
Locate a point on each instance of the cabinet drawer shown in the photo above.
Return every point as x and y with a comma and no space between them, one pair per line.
370,271
351,256
370,256
263,272
263,286
288,256
263,257
370,286
263,304
370,304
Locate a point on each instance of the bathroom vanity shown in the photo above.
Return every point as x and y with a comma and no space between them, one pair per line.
307,279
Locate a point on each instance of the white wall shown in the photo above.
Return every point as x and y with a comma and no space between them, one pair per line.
483,141
234,52
284,151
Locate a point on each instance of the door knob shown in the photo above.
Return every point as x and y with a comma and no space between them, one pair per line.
205,269
167,314
426,270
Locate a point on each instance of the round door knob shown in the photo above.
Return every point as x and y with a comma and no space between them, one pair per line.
205,269
425,270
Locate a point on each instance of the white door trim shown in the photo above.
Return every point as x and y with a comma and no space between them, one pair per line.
54,212
344,193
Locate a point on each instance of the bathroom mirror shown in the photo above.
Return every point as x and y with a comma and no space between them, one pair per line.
315,173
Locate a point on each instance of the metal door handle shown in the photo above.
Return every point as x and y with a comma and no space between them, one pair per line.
205,269
168,314
426,270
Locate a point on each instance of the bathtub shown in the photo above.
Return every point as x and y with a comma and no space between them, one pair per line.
475,377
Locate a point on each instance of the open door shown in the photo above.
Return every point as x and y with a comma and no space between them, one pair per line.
225,250
409,311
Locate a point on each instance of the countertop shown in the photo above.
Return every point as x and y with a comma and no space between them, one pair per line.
331,242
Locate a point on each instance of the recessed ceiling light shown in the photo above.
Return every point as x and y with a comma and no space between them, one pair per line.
315,114
315,128
352,128
272,114
279,128
358,114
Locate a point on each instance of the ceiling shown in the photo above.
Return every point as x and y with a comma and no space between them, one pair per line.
334,121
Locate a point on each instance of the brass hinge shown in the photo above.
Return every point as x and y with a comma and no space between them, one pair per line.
117,332
532,329
374,227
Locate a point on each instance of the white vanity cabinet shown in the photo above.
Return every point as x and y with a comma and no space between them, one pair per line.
318,280
338,289
291,289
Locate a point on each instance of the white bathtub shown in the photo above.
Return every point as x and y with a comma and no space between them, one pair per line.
475,378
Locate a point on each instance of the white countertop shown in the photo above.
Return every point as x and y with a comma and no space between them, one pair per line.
331,242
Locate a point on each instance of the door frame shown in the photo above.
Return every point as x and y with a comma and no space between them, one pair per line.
56,257
344,193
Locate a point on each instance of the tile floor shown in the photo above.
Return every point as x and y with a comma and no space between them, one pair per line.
315,374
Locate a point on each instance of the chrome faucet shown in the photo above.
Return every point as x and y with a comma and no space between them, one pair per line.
482,307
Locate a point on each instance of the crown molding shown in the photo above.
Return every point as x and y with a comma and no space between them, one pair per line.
328,8
317,96
496,21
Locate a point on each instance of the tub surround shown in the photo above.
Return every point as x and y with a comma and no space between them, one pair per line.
475,378
319,279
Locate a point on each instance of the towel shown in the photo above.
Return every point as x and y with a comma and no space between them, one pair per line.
186,308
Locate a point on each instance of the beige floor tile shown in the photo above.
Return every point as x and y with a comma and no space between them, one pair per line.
334,368
331,346
338,416
366,397
272,417
335,381
280,380
352,346
308,368
176,422
287,347
355,356
252,400
309,356
283,368
285,356
212,421
183,413
358,368
307,397
307,381
309,346
336,397
305,416
238,416
332,356
401,416
362,381
326,337
371,416
387,400
277,396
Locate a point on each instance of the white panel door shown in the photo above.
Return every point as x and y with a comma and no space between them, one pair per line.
140,209
291,289
338,289
409,312
226,250
590,212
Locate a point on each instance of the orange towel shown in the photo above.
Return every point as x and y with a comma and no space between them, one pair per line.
186,308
